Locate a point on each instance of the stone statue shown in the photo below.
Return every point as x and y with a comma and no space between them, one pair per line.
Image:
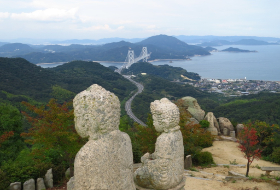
106,160
164,169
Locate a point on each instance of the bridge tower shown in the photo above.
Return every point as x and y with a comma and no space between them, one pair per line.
130,58
145,54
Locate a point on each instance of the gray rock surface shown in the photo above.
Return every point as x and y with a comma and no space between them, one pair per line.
70,184
239,128
106,160
232,173
225,123
29,185
193,108
188,162
40,185
15,186
192,120
164,169
214,128
49,179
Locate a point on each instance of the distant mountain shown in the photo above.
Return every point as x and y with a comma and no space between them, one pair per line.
210,49
3,43
162,47
15,49
240,42
172,44
231,49
202,39
216,43
97,42
251,42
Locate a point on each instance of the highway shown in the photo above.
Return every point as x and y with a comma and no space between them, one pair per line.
128,102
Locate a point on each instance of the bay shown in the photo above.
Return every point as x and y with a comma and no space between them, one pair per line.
261,65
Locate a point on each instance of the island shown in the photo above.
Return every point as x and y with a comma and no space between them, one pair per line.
231,49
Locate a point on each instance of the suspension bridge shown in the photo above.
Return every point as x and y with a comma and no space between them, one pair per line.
130,58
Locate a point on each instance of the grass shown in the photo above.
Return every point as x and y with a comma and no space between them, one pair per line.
233,162
226,166
193,169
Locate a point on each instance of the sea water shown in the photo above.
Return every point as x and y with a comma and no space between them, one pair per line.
261,65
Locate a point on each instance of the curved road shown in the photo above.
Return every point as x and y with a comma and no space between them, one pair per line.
128,102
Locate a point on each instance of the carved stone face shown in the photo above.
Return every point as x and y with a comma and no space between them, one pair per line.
96,111
165,115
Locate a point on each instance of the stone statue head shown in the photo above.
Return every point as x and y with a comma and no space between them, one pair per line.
166,115
96,111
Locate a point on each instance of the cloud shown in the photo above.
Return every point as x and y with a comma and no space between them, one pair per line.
52,14
4,15
120,27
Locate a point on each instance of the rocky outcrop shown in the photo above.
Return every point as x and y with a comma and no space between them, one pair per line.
106,160
213,128
164,169
225,123
194,108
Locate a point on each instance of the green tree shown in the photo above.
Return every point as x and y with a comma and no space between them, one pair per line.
10,128
53,129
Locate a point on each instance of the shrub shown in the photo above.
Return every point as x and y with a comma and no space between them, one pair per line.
276,155
4,180
204,123
203,158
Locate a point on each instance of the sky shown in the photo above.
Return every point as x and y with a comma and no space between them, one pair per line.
96,19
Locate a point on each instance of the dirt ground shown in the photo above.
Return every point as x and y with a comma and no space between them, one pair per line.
213,178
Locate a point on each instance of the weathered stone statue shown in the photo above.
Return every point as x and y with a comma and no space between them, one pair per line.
164,169
106,160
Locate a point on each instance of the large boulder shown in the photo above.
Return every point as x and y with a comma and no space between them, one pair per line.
225,123
213,123
164,169
106,160
194,108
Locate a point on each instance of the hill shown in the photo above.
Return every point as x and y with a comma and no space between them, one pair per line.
3,43
161,46
163,71
172,44
251,42
231,49
24,79
8,50
216,43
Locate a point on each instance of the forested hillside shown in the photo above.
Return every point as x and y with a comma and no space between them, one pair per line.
163,71
23,79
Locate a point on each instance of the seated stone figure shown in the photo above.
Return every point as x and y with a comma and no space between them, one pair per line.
106,160
164,169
